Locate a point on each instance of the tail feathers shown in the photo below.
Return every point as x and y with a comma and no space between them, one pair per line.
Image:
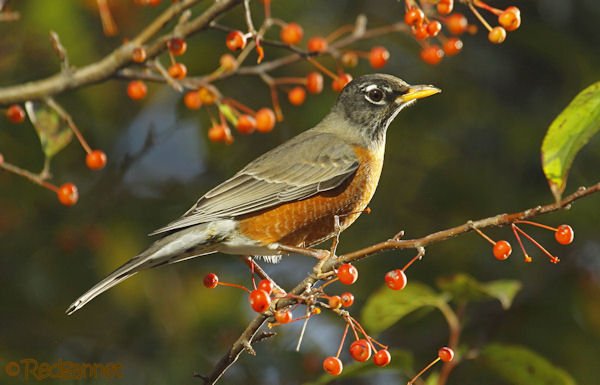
170,249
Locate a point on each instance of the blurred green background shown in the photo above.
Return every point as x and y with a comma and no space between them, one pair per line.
469,153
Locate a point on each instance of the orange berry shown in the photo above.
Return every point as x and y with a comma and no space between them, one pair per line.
378,57
457,23
136,89
497,35
434,28
444,7
211,280
96,160
246,124
452,46
314,82
1,158
15,114
414,16
382,358
177,70
446,354
235,40
396,279
207,96
347,299
347,274
349,59
510,19
291,33
177,46
265,120
259,300
432,54
297,96
564,234
68,194
420,32
317,44
333,366
228,62
266,285
502,250
217,133
192,100
340,82
138,55
283,316
360,350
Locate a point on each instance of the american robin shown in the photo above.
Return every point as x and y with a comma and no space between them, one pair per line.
299,194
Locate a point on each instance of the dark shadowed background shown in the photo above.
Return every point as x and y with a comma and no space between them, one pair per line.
471,152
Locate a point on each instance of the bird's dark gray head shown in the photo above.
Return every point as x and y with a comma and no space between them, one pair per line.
371,102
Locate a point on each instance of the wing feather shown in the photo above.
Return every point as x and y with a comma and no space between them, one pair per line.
287,173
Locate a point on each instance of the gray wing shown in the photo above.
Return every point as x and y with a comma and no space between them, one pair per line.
304,166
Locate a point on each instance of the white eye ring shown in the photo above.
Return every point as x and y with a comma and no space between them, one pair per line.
375,95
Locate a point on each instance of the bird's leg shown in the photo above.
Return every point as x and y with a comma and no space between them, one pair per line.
337,229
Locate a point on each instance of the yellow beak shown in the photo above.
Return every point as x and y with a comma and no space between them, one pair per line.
418,92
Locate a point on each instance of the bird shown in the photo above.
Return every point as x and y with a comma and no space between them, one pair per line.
299,194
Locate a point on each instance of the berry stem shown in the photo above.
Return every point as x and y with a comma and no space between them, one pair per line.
553,259
37,179
420,254
478,15
490,240
343,340
239,106
234,285
289,80
423,371
275,101
322,68
341,31
514,229
67,118
538,225
487,7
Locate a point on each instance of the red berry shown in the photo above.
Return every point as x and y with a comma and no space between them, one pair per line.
510,19
314,82
291,33
382,358
283,316
265,120
177,70
15,114
68,194
297,96
446,354
434,28
347,274
414,16
340,82
502,250
420,32
207,97
396,279
360,350
266,285
335,302
96,160
564,234
138,55
432,54
452,46
457,23
497,35
235,40
347,299
444,7
211,280
177,46
317,44
217,133
333,366
246,124
259,300
136,89
192,100
378,57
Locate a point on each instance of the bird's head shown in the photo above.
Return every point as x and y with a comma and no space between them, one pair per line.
369,103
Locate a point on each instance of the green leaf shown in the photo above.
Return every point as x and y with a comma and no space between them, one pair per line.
385,307
53,132
228,113
464,288
521,366
402,362
567,134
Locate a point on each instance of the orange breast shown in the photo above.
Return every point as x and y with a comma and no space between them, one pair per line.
310,221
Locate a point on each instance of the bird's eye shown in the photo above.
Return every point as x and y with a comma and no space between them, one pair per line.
375,96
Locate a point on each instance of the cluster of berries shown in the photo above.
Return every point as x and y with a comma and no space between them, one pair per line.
427,22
